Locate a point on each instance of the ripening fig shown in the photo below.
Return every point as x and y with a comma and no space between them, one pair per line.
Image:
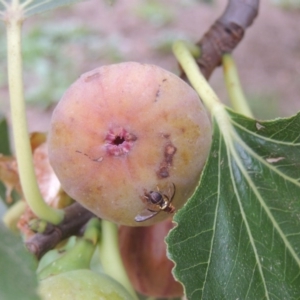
81,285
144,254
128,141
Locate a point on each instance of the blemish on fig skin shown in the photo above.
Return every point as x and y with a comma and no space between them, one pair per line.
97,159
163,171
92,77
119,141
169,152
166,136
158,93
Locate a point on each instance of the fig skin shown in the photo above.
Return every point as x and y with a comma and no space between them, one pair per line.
143,251
82,284
123,130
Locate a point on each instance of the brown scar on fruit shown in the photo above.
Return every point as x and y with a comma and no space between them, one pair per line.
97,159
92,77
169,152
165,135
158,92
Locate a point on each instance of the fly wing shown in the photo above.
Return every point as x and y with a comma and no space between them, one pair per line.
145,215
170,191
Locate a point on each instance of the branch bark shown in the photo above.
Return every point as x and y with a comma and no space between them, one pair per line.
225,34
75,218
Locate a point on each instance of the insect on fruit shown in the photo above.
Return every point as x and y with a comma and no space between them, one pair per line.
157,201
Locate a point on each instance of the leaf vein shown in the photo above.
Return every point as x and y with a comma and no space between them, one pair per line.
251,238
251,280
191,237
263,204
263,137
216,210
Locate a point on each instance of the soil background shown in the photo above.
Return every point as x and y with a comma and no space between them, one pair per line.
268,58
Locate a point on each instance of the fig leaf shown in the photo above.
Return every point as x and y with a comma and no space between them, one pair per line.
18,279
238,235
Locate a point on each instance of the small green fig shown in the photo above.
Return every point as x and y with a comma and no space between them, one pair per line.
129,141
81,285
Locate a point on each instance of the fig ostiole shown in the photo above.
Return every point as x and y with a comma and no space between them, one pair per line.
124,132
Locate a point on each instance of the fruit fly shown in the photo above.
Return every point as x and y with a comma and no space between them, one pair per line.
156,202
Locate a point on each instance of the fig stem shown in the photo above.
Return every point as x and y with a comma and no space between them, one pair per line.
111,258
32,194
202,87
13,214
92,230
193,48
197,80
234,88
78,257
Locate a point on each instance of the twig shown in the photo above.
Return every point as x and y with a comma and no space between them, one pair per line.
225,34
75,218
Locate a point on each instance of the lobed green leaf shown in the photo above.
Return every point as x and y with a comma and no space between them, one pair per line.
238,237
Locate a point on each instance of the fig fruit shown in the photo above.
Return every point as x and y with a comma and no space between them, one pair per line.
128,139
82,284
143,251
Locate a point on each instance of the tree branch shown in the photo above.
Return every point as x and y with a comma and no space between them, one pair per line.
225,34
75,218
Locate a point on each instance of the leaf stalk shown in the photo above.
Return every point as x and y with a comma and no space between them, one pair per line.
197,80
234,88
32,194
110,256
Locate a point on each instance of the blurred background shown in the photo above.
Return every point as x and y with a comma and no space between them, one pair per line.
60,45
